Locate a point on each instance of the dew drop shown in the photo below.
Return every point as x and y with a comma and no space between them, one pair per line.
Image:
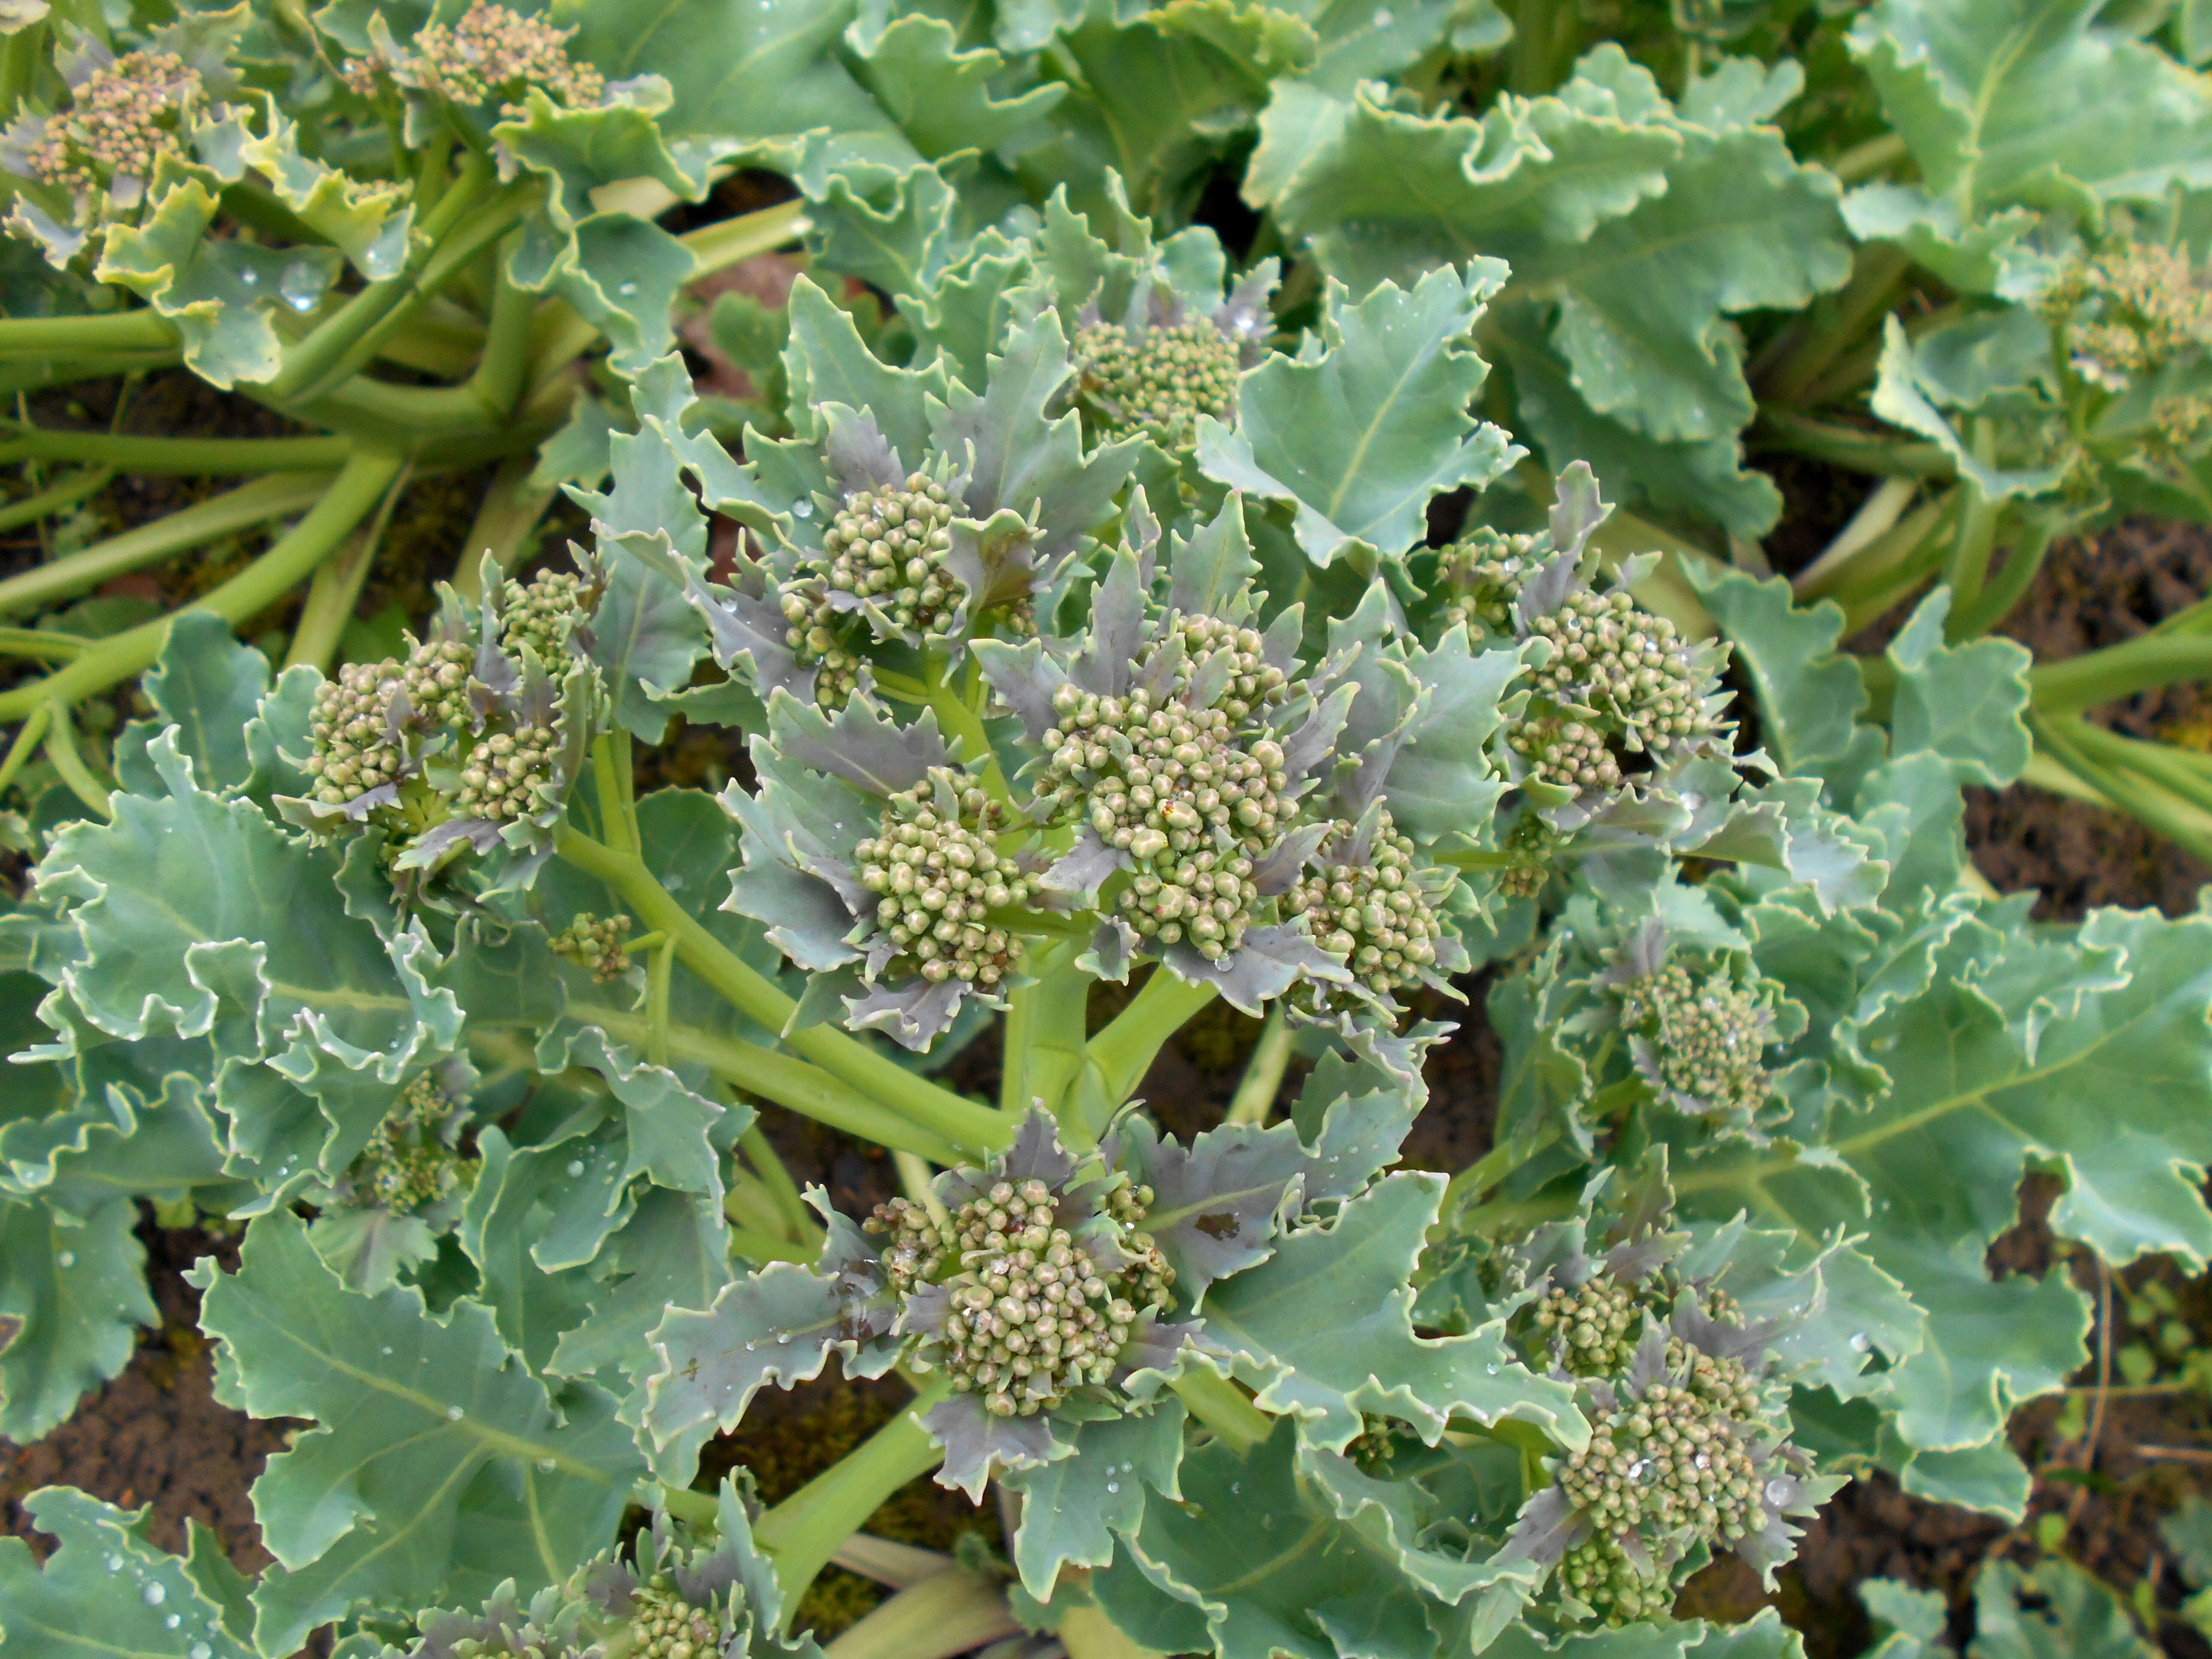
115,1564
1778,1492
1235,1488
546,1464
1640,1469
199,1651
387,1347
627,289
803,510
173,1621
575,1168
453,1413
1860,1342
1383,18
1491,1368
1113,1485
783,1336
66,1259
250,278
154,1596
301,284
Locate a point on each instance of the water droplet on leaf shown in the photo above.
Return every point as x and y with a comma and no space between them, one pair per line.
575,1168
1860,1342
155,1594
453,1413
301,285
66,1259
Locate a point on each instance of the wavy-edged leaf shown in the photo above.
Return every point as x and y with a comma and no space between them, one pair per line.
77,1291
1072,1508
1323,1332
106,1591
440,1468
1360,435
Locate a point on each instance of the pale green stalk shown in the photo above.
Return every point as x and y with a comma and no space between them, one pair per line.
946,1613
801,1532
1121,1054
1263,1072
352,495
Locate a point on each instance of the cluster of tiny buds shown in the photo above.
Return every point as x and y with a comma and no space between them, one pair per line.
117,124
888,546
1183,794
1592,1329
1600,1573
939,876
1376,915
1034,1314
664,1626
1159,381
1482,575
2129,311
355,749
1670,1458
1529,857
543,614
1629,668
506,774
406,1165
436,680
493,49
595,942
1705,1039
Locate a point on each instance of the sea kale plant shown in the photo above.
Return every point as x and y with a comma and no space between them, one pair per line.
1095,628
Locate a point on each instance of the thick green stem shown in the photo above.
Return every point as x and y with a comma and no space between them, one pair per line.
337,589
1224,1408
2188,827
1811,346
69,762
1044,1037
55,497
2022,561
801,1532
1862,161
947,1117
165,538
42,646
505,521
2119,670
1263,1072
1968,562
498,380
946,1613
790,1206
353,495
27,743
1851,448
76,336
173,457
780,1080
1125,1050
760,1248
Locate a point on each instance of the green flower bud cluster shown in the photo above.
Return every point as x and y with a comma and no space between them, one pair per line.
1036,1312
2128,312
1376,915
120,120
1529,857
1704,1039
407,1166
1192,795
493,49
355,750
1600,1574
436,681
664,1626
1481,575
889,546
1159,381
596,943
1592,1329
1667,1460
1633,674
940,877
543,613
506,775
